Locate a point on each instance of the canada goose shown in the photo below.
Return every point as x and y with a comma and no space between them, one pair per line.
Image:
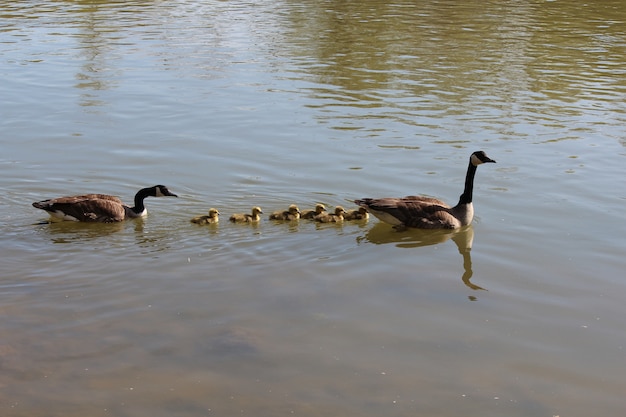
212,218
358,214
292,213
100,207
335,217
425,212
247,218
309,214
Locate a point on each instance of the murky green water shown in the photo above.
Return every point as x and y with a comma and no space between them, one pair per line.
235,104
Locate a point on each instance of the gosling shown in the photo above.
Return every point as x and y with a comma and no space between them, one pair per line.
335,217
292,213
247,218
357,214
212,218
310,214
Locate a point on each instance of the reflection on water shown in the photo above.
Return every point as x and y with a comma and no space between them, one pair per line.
382,233
68,232
150,239
243,102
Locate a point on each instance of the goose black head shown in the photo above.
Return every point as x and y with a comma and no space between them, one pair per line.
480,157
162,191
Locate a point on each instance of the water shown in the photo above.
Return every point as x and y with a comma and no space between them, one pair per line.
235,104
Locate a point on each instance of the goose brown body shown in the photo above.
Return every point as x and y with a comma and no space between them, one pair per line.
101,208
427,212
417,211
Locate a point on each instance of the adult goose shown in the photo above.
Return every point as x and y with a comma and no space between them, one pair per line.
292,213
212,218
425,212
100,207
247,218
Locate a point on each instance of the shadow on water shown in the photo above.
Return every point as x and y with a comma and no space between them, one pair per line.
382,233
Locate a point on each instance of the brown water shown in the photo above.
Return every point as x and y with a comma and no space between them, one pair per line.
235,104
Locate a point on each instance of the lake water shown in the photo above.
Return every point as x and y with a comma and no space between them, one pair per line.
234,104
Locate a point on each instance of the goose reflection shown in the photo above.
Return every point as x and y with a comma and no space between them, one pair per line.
66,232
382,233
151,239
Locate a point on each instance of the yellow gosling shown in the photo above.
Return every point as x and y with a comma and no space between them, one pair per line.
310,214
358,214
247,218
292,213
335,217
212,218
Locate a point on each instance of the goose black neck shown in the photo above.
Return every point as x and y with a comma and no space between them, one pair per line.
466,197
139,197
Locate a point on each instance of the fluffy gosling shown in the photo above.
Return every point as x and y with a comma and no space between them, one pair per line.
247,218
335,217
310,214
212,218
292,213
357,214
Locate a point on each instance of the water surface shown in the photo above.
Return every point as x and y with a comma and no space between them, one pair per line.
235,104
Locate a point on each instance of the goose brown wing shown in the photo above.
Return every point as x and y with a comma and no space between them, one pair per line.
427,213
88,207
393,207
412,211
81,198
103,197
